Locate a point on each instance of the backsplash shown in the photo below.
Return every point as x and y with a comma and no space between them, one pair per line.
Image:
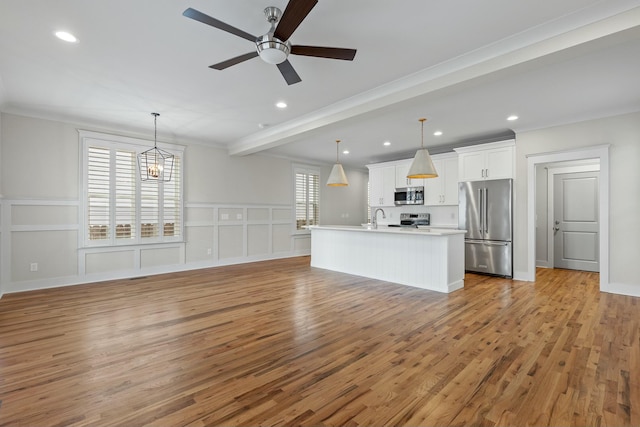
440,215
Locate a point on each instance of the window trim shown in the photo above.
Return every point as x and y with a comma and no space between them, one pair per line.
137,145
309,170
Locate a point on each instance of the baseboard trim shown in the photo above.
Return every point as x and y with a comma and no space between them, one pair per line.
58,282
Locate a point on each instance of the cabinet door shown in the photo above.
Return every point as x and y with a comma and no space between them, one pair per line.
472,166
375,186
401,176
388,185
499,163
450,184
382,182
433,186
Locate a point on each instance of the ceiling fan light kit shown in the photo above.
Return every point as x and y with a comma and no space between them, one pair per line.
274,47
422,165
272,50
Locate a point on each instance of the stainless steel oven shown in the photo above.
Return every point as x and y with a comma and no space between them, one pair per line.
413,220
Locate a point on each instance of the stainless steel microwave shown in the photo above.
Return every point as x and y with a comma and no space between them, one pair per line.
409,196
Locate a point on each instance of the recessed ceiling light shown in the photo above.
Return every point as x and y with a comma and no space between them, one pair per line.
512,117
437,133
345,152
386,143
281,104
68,37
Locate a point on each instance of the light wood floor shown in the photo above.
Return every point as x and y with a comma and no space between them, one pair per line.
281,343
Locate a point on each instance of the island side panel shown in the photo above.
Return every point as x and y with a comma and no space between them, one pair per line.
414,259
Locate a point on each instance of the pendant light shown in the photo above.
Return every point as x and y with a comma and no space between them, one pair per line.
337,178
422,165
155,163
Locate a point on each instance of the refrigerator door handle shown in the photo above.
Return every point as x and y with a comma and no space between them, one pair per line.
489,243
485,199
481,219
486,242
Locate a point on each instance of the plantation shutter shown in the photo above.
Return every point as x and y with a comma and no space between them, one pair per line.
125,213
119,208
98,193
149,209
314,199
172,202
307,195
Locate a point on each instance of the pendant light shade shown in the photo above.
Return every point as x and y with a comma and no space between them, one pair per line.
155,163
337,178
422,165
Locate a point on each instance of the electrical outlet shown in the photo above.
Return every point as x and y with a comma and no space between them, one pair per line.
33,266
224,216
238,216
209,251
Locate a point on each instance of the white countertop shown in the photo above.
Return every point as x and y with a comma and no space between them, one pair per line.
432,231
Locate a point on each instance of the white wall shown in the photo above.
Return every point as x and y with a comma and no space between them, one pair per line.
237,209
542,255
344,205
623,134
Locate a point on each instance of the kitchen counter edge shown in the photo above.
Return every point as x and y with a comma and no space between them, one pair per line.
430,231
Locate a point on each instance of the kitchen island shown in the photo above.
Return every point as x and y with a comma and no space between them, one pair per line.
428,258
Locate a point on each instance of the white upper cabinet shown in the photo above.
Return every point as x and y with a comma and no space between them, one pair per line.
382,184
495,160
384,178
402,169
442,190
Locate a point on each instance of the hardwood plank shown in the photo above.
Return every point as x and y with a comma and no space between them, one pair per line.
281,343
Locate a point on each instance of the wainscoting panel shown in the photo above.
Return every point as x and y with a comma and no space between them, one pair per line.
104,262
41,245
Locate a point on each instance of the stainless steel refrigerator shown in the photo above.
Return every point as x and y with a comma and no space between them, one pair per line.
485,210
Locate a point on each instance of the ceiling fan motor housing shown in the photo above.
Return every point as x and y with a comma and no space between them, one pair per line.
274,47
271,49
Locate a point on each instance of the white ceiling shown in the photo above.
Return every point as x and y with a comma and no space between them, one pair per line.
465,65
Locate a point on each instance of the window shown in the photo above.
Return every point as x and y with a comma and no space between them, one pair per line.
307,194
119,208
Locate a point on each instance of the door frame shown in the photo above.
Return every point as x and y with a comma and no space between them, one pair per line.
600,152
551,173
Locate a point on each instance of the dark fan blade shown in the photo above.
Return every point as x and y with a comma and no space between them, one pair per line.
289,73
233,61
206,19
293,15
324,52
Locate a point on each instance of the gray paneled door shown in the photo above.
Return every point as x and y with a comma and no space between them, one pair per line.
576,221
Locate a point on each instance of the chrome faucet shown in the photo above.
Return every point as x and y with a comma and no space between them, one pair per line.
375,217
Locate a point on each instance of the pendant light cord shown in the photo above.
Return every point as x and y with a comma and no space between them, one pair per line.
337,150
422,133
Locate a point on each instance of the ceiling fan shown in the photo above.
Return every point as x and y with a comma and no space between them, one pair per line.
274,47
